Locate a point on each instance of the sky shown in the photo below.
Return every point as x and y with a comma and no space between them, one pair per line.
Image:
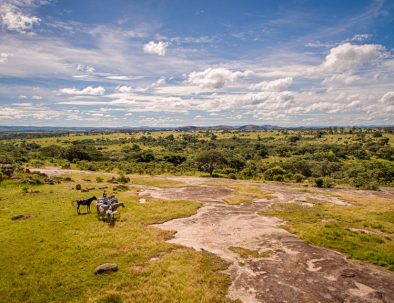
178,62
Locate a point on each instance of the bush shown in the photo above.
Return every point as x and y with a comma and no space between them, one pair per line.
123,179
99,179
277,171
298,178
65,165
328,182
319,182
78,187
279,178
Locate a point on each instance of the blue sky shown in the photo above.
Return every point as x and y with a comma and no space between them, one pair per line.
175,63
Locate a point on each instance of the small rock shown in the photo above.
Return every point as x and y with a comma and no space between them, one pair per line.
78,187
20,217
348,273
84,190
49,181
106,267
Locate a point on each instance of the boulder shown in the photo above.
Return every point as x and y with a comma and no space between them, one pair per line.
106,267
78,187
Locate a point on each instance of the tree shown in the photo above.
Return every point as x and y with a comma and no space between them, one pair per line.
208,161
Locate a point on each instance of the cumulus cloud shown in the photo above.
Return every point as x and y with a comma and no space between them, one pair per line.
348,56
89,91
216,77
275,85
15,20
156,48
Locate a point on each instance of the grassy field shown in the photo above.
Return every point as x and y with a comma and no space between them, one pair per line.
364,230
51,256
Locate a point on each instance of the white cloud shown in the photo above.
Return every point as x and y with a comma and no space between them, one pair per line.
15,20
275,85
36,97
345,78
216,77
119,78
85,68
388,98
90,91
124,89
360,37
348,56
154,48
4,57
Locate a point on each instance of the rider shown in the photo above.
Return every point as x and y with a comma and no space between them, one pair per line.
104,199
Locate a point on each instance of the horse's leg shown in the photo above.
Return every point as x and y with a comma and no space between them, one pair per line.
78,208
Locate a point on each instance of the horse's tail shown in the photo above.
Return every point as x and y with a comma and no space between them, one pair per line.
74,203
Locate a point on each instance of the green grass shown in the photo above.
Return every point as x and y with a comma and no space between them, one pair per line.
51,256
154,181
245,193
362,231
245,253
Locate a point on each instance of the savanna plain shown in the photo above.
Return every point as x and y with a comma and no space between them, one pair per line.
210,216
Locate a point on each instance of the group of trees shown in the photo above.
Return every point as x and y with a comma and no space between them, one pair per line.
363,158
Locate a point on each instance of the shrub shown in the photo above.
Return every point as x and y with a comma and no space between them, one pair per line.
78,187
65,165
319,182
328,182
123,179
298,178
279,178
274,171
99,179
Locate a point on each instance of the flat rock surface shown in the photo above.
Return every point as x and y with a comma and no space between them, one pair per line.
293,270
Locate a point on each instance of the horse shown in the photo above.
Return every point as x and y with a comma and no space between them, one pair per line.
109,211
111,200
115,206
86,202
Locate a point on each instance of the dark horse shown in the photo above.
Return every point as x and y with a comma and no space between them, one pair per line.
86,202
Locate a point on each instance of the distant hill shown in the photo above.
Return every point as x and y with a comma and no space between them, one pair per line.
248,127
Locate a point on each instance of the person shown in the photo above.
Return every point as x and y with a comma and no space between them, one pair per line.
104,199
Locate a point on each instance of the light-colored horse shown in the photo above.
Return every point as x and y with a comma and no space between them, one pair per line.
109,211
